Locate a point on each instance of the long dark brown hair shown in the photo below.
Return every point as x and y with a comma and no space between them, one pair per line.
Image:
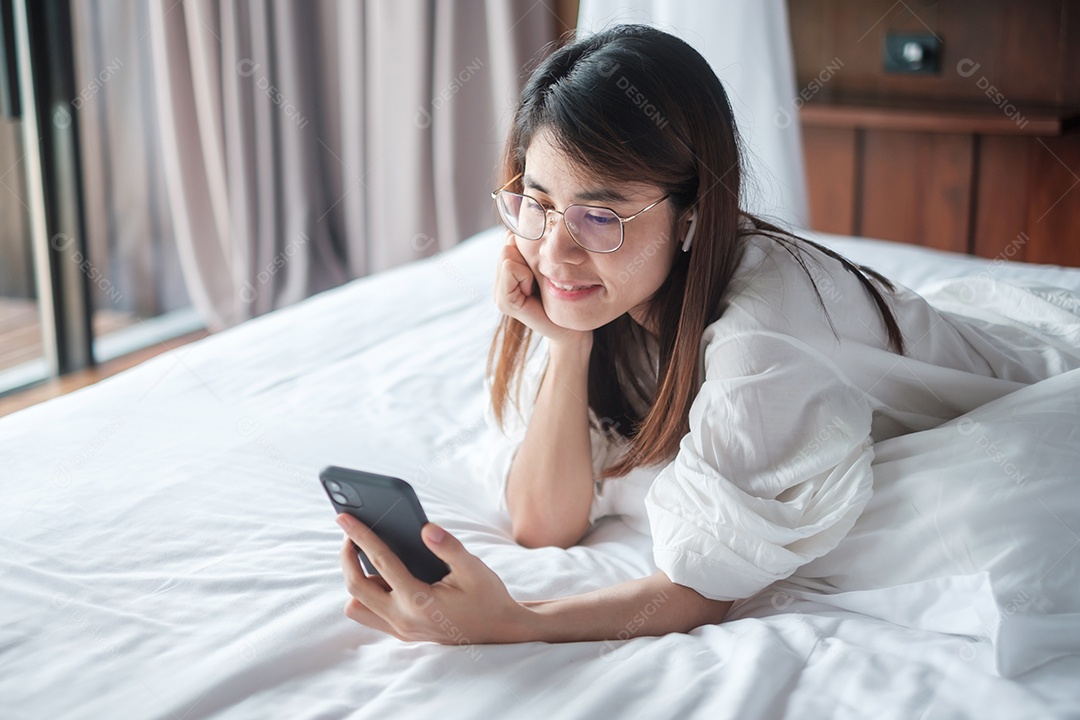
635,104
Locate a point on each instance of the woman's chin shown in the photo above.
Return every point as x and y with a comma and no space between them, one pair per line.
584,315
579,323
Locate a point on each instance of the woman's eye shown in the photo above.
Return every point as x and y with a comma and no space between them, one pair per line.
599,218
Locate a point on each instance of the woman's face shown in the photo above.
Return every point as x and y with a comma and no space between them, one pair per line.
616,283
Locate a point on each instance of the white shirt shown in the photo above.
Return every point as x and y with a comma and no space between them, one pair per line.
777,464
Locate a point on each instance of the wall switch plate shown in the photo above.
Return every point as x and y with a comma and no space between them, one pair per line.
909,53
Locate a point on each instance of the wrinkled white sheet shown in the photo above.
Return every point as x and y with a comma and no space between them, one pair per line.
166,552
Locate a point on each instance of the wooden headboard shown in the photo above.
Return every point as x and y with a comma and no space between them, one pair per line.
982,157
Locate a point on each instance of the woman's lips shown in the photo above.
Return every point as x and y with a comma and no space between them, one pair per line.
563,294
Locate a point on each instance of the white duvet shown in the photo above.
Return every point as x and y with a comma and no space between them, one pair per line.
167,552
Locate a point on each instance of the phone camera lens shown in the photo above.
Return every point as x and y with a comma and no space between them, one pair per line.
333,486
339,498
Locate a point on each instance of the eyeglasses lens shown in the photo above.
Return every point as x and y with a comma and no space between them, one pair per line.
596,229
593,228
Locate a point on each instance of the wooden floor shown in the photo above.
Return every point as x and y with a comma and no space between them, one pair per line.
20,329
20,341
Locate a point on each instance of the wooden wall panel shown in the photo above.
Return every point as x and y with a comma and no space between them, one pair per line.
1054,203
1028,199
1028,49
1001,200
830,155
1025,65
985,161
1069,91
916,188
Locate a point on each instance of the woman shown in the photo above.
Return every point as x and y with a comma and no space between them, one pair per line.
701,371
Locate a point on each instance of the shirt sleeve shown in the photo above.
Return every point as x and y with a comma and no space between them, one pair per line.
774,472
508,439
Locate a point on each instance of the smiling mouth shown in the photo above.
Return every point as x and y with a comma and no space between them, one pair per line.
568,288
566,291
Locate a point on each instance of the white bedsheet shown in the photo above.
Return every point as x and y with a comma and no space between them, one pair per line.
166,552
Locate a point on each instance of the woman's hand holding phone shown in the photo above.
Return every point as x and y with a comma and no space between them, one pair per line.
420,582
471,605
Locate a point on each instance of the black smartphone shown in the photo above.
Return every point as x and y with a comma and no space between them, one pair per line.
389,506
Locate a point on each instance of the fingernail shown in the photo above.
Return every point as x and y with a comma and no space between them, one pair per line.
437,534
342,521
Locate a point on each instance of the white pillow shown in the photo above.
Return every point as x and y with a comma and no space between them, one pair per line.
996,492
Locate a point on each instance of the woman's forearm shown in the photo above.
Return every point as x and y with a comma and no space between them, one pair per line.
651,605
550,487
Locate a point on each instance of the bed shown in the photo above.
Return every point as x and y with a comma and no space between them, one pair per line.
167,551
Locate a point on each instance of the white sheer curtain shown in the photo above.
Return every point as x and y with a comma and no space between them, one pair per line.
307,143
748,44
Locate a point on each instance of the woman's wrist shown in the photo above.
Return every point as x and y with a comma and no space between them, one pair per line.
534,622
523,629
650,605
574,347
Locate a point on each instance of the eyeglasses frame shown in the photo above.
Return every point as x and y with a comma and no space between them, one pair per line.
562,213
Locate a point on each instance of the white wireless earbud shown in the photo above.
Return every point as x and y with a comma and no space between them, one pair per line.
690,232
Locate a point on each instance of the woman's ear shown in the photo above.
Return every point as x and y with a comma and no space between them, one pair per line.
690,231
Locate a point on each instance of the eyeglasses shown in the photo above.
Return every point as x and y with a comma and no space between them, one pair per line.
596,229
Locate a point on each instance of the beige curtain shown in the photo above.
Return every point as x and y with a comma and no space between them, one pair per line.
126,209
308,143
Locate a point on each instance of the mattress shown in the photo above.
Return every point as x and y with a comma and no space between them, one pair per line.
167,551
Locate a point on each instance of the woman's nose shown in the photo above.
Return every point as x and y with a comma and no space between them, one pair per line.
557,243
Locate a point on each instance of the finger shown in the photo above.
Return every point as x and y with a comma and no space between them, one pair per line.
524,278
508,293
383,558
354,560
446,547
513,252
527,284
519,281
468,572
355,611
367,590
512,261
